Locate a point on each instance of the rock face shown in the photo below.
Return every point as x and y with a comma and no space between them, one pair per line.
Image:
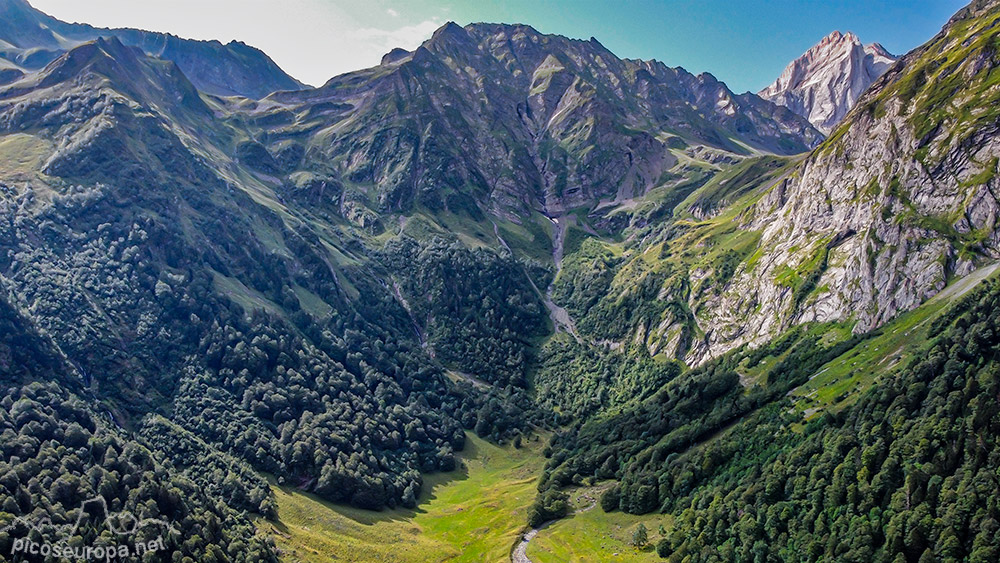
30,39
902,197
824,83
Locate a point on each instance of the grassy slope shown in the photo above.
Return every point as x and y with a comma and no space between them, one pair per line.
841,381
593,536
21,153
472,514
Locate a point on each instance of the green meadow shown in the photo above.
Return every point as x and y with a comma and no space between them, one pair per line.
475,513
590,535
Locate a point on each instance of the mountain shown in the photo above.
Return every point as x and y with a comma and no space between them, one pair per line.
505,120
30,39
213,302
826,81
502,120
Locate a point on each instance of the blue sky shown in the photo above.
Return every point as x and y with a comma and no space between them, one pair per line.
744,43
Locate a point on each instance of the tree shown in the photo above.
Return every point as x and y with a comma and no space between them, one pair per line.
640,536
610,499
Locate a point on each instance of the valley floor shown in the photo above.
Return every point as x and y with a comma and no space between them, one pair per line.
472,514
590,535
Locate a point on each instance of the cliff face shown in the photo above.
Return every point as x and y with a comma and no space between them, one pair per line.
826,81
902,198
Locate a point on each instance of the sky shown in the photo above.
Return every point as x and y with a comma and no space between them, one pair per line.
745,43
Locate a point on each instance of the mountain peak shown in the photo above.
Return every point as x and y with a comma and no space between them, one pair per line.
106,56
824,83
878,49
448,36
450,29
127,70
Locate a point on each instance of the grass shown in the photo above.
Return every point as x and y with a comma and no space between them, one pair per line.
250,299
594,535
532,238
829,334
730,185
22,154
312,303
475,513
841,381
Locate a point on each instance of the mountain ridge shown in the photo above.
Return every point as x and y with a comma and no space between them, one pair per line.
546,100
215,68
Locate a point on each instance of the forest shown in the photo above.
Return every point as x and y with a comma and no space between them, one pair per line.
904,474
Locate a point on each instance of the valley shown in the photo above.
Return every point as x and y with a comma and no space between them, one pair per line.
504,296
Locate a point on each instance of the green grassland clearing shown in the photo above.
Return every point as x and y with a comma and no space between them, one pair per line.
474,513
590,535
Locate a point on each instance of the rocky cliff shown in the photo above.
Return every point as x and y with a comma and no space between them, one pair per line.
902,199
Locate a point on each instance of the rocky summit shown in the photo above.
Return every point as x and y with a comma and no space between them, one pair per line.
826,81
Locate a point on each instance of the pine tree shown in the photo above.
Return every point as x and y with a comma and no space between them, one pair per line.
640,536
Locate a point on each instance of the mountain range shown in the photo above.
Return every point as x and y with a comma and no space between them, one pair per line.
219,286
32,39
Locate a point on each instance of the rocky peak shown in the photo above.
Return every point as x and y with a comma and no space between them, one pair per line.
394,56
876,49
103,67
826,81
449,35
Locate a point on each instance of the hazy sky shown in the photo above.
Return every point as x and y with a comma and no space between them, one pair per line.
744,43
